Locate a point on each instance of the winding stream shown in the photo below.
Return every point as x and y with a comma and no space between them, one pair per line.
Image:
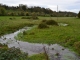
35,48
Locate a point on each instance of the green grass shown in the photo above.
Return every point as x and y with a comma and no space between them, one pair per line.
37,57
8,25
55,34
65,36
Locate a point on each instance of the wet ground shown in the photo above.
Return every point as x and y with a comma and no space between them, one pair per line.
54,51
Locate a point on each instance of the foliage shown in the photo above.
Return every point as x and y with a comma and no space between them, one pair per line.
12,54
34,16
2,11
77,46
9,24
40,11
37,57
51,22
65,36
42,25
26,17
79,14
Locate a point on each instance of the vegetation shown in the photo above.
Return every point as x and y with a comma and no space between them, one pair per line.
42,25
11,53
37,57
51,22
10,24
66,36
79,14
24,10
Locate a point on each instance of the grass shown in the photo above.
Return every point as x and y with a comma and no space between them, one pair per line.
54,34
65,36
37,57
10,24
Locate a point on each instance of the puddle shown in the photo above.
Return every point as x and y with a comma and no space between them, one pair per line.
55,51
63,24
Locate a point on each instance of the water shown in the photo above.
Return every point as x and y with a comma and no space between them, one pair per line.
54,51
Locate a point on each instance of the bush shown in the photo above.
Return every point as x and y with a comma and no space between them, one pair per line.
26,18
51,22
44,20
35,17
12,18
79,14
77,46
42,25
12,54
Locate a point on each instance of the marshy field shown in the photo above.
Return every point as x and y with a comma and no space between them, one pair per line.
64,31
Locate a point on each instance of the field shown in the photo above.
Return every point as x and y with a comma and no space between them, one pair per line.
10,24
68,36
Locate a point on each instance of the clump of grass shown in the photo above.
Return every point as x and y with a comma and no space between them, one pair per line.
77,46
12,18
32,33
30,17
51,22
44,20
37,57
24,33
43,25
26,17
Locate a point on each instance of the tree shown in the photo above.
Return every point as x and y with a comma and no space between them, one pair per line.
2,11
79,14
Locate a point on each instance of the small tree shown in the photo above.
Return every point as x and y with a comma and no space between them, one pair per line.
2,11
79,14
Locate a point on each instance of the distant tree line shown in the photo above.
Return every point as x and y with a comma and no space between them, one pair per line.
24,10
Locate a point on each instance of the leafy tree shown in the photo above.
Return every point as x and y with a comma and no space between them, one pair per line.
2,11
79,14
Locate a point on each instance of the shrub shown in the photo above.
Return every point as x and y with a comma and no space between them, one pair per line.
26,18
12,54
42,25
44,20
51,22
79,14
77,46
35,17
70,42
12,18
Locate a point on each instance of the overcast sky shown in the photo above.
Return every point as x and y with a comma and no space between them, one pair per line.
63,5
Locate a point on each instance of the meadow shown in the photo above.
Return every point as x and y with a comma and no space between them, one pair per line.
68,36
9,24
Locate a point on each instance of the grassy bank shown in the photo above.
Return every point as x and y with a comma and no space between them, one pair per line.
37,57
68,36
10,24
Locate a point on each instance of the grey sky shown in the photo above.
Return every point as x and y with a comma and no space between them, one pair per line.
63,5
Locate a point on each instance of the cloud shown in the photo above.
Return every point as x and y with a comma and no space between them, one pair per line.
68,5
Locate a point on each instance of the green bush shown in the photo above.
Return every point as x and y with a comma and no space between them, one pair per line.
12,54
51,22
42,25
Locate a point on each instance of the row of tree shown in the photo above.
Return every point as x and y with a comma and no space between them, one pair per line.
24,10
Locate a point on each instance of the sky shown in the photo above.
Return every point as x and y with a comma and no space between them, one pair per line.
63,5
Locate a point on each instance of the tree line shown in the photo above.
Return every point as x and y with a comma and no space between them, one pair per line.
24,10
